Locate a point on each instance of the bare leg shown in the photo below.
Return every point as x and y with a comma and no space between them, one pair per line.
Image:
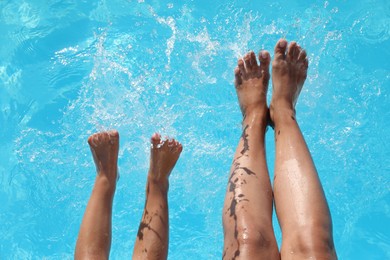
300,202
247,213
152,237
94,239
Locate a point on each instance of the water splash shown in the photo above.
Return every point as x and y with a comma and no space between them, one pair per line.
171,23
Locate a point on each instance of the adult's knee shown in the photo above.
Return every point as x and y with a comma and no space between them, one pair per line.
259,238
93,254
257,243
310,242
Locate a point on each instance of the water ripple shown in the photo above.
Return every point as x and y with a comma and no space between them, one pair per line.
371,25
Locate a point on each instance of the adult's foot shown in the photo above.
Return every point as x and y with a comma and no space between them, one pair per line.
163,157
104,147
289,71
251,82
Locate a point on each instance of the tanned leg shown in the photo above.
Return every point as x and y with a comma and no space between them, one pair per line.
94,238
152,237
247,212
300,202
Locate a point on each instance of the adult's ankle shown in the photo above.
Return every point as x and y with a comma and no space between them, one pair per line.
282,115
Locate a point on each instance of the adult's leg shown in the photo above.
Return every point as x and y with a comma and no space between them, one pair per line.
152,237
247,213
300,202
94,238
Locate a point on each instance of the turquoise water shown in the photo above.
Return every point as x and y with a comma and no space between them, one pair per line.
70,68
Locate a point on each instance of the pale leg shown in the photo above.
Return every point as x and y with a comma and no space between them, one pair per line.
300,202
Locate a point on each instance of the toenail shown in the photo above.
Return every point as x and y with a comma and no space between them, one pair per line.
264,55
282,44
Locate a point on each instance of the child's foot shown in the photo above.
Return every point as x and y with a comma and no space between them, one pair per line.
104,147
163,157
289,70
251,82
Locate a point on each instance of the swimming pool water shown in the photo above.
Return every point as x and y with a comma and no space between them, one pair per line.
70,68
